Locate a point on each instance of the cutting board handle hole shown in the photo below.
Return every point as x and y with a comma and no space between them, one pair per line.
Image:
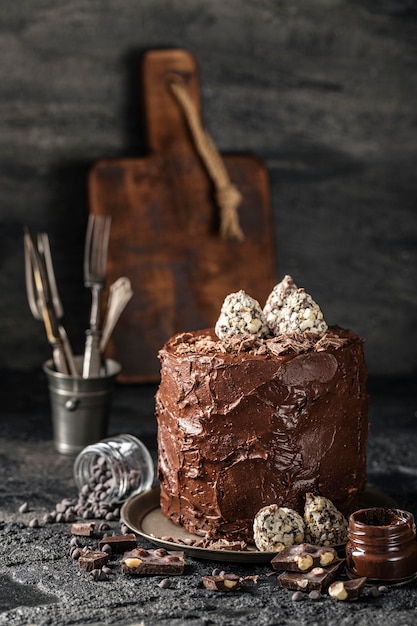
177,78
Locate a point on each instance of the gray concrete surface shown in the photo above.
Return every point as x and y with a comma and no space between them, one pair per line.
40,584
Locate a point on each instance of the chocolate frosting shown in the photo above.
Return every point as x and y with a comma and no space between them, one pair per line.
240,429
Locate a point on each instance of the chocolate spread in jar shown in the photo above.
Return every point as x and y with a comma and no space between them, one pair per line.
382,545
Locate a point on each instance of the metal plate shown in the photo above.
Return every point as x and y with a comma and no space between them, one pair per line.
142,514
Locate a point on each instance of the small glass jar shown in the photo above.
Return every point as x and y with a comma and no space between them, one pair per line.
119,467
382,545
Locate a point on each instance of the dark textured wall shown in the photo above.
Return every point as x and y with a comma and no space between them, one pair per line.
325,91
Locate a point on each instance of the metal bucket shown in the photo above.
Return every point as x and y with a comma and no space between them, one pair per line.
80,407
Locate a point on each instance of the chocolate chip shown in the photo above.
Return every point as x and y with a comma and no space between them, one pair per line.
314,595
297,596
24,508
34,523
75,554
165,583
95,573
61,507
374,592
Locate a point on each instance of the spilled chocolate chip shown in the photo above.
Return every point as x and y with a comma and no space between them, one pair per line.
297,596
165,583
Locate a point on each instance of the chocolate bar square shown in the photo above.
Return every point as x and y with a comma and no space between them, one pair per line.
92,559
141,562
119,543
83,529
317,579
303,557
347,589
222,582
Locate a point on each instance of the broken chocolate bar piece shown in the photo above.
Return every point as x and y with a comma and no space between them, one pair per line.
141,562
317,579
83,529
92,559
303,557
118,543
222,582
347,589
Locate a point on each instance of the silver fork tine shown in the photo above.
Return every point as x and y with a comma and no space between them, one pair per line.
101,247
45,248
87,247
30,288
95,249
95,259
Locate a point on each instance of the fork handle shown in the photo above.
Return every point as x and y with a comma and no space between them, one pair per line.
59,358
95,306
92,354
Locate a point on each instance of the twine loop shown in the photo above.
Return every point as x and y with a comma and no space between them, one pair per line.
227,196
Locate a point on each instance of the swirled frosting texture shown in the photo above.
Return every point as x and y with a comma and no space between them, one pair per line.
239,429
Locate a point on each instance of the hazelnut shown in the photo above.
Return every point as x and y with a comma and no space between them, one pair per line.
304,562
337,590
326,558
133,562
229,583
317,571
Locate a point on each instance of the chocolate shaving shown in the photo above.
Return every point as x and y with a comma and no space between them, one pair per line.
330,341
281,345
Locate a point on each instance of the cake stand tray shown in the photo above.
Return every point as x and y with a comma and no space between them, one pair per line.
142,514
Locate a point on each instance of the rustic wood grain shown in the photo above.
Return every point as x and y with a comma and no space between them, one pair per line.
165,226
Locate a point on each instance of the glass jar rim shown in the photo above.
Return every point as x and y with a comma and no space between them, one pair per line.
381,517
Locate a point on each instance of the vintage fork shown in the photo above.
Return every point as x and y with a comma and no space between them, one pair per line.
95,258
43,298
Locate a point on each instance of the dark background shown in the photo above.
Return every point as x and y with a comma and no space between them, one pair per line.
324,91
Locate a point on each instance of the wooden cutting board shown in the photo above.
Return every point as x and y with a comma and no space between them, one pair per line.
165,225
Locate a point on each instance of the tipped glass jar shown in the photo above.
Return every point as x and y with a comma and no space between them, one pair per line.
382,545
114,469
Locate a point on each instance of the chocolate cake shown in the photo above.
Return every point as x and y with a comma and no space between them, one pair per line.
252,419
